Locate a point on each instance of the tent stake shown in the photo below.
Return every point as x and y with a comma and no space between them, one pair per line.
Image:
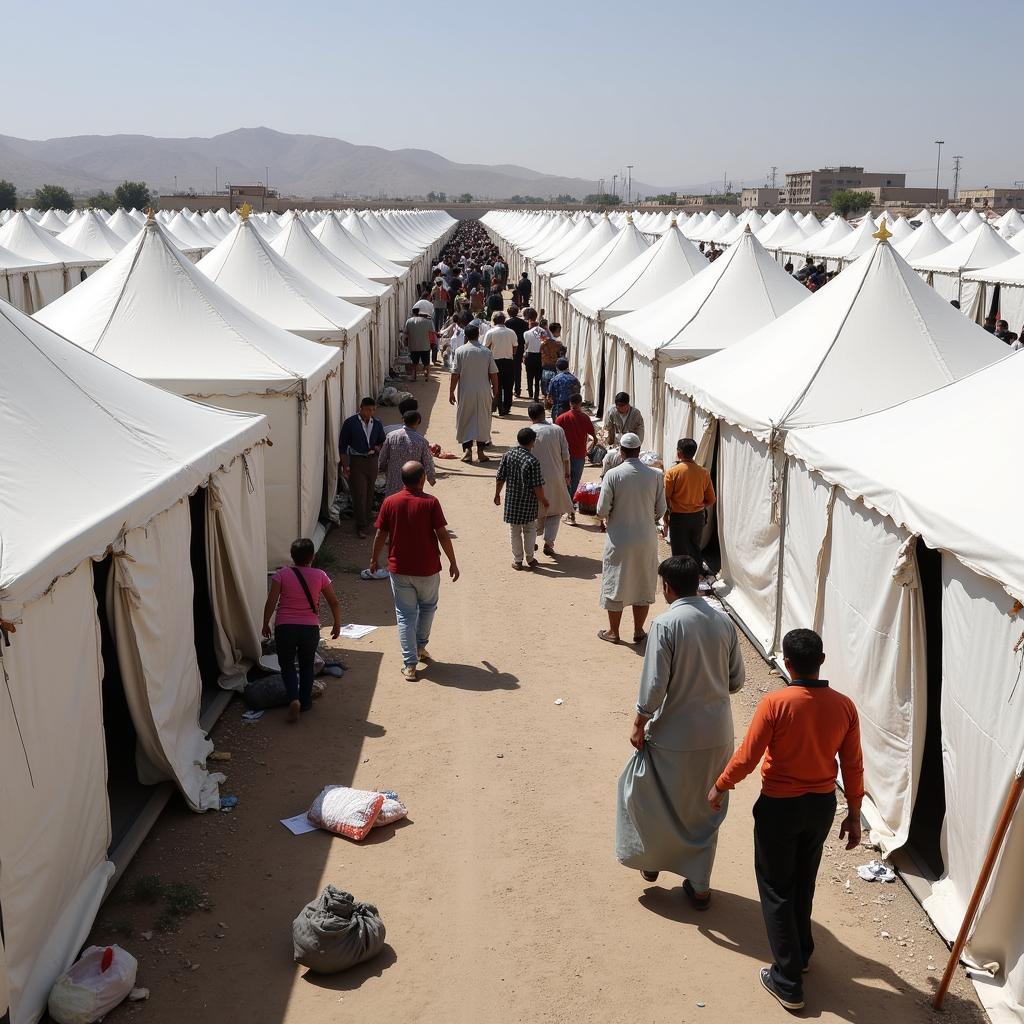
1012,798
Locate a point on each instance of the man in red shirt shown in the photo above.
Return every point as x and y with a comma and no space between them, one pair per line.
412,524
799,730
577,426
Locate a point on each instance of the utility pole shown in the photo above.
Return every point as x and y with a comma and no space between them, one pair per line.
615,178
216,180
774,172
266,180
629,184
175,184
956,177
938,163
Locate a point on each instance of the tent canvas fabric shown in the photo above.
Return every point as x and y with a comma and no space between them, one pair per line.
873,337
1009,276
27,239
983,247
249,270
743,290
126,454
152,313
91,236
593,242
27,284
887,465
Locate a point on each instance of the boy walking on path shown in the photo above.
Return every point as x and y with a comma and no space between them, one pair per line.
520,470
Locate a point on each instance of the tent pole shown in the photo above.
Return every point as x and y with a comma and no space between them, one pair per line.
1012,798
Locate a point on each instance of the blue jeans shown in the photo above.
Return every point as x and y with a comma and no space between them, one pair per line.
297,642
415,604
575,475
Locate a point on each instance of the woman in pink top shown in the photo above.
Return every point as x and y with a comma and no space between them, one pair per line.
295,592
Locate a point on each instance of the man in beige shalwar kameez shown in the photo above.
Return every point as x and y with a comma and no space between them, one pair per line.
683,735
475,381
552,451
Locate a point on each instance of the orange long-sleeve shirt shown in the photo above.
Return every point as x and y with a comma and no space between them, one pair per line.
800,730
688,487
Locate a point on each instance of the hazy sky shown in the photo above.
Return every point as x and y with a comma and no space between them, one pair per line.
683,91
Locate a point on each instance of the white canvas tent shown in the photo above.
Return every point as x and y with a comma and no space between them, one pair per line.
876,499
24,237
125,458
656,271
123,225
593,242
927,239
152,313
266,284
91,236
982,248
874,336
28,284
1009,277
316,262
743,290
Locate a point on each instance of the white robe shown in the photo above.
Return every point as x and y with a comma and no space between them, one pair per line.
552,451
474,364
632,500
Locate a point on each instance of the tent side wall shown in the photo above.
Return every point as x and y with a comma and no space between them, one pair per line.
56,820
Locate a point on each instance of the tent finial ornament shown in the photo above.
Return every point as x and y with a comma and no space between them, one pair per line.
629,218
244,210
150,214
883,234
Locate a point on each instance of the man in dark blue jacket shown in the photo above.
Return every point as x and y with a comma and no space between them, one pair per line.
358,447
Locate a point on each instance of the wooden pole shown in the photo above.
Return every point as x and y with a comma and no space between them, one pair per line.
1012,798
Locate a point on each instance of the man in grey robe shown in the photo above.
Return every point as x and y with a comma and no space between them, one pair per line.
552,451
683,736
631,502
475,378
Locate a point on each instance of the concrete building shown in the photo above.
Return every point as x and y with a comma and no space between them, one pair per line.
805,188
992,198
918,197
759,198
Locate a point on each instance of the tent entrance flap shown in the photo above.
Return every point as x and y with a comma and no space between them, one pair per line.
924,837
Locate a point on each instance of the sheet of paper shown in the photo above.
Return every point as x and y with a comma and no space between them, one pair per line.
355,632
299,824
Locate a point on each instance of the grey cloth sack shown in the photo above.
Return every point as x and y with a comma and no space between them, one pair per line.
335,932
266,692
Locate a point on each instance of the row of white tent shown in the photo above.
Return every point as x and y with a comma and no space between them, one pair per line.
134,408
831,421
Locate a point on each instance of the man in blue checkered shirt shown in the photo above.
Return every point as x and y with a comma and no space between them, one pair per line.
520,474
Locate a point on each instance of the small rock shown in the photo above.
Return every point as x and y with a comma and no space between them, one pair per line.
193,967
499,755
886,935
218,935
702,1005
146,936
138,994
559,701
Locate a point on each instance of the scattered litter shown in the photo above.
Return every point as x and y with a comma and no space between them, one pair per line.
220,755
351,631
92,986
499,755
228,803
886,935
335,932
298,825
876,871
559,701
146,936
137,995
345,811
380,574
702,1005
391,810
252,715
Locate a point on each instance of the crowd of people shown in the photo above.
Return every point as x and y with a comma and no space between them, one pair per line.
673,792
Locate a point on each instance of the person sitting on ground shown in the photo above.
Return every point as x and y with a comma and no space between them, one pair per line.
623,418
800,730
1002,330
295,592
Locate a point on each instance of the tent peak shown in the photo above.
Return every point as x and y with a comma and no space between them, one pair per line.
746,229
244,210
883,234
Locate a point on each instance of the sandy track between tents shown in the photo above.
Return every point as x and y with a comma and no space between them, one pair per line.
502,898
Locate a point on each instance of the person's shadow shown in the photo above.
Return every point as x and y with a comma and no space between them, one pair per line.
842,982
577,567
479,678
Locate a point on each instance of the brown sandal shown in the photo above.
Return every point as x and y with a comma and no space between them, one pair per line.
603,634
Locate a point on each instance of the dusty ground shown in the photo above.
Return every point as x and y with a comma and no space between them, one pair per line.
501,895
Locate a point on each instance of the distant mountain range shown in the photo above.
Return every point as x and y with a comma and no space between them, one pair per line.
300,165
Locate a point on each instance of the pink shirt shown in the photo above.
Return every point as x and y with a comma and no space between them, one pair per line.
292,607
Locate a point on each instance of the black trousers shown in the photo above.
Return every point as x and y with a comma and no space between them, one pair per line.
533,375
684,533
297,642
519,371
506,381
789,833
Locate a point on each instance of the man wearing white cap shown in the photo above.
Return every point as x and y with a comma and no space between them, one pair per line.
631,503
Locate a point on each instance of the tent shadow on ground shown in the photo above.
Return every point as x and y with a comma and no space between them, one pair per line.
578,567
842,982
354,977
468,677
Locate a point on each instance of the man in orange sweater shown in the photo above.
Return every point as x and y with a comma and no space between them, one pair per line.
799,730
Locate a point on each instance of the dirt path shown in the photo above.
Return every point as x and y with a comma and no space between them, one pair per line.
502,898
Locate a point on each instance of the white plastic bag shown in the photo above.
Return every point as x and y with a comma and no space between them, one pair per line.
85,991
346,812
392,809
